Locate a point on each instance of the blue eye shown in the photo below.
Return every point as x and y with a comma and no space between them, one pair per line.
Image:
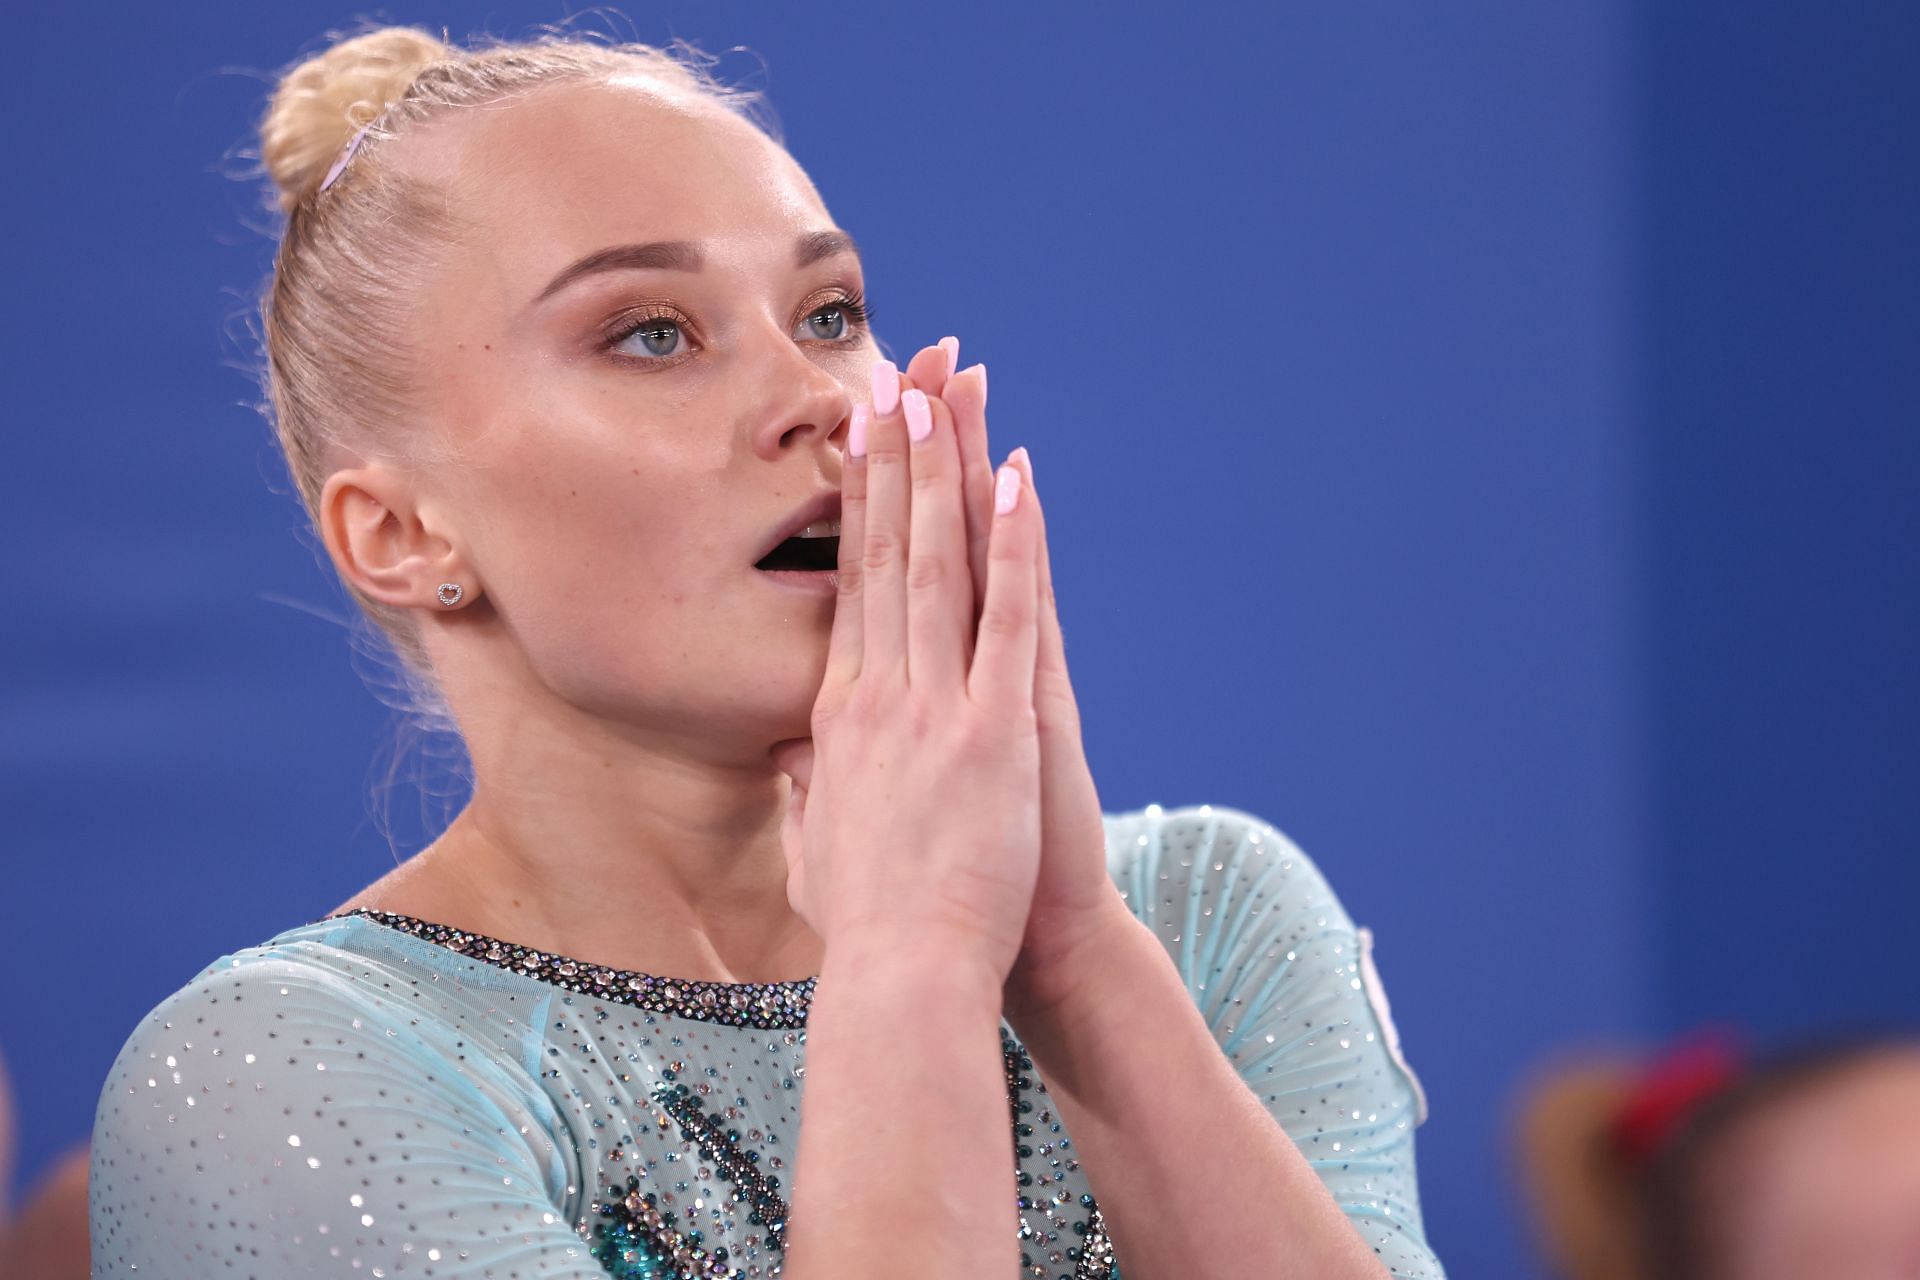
853,315
832,322
829,314
661,338
657,336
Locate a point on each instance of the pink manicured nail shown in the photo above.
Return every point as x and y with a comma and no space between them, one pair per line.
982,367
1006,491
886,388
857,431
919,414
952,347
1026,463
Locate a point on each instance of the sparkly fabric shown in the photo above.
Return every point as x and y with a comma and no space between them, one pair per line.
371,1095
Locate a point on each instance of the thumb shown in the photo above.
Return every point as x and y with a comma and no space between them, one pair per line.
793,821
794,757
791,825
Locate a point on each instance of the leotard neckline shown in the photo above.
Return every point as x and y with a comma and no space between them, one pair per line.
768,1005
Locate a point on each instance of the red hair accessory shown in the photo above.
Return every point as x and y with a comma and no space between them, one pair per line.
1669,1091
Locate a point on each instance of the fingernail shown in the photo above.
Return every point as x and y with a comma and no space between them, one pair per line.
1006,490
919,414
886,387
982,367
1026,463
952,347
857,432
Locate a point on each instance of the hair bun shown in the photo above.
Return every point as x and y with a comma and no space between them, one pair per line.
321,103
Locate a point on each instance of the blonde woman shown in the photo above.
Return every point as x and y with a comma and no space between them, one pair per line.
783,933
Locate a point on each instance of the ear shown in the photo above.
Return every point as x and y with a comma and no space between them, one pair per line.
384,542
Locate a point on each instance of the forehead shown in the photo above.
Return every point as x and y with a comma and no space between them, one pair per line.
573,168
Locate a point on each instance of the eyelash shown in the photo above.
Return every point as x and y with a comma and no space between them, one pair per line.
854,303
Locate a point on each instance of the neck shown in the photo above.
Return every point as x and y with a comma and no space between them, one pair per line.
616,852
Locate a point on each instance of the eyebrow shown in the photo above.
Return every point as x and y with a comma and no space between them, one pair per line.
685,255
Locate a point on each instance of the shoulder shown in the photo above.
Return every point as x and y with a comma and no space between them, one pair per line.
1247,914
313,966
1167,859
315,1018
248,991
310,993
290,1079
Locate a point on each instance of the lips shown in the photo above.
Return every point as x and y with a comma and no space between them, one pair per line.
822,506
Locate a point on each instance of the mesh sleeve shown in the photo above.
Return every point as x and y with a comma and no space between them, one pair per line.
278,1119
1288,986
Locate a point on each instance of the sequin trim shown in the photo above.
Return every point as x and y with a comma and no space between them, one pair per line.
766,1005
732,1163
1093,1257
641,1241
1096,1260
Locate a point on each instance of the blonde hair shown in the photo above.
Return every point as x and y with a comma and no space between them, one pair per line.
339,378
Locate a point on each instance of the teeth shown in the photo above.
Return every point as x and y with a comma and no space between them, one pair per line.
821,529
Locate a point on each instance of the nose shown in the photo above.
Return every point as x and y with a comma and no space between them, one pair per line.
803,401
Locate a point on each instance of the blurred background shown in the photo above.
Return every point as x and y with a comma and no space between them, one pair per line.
1481,439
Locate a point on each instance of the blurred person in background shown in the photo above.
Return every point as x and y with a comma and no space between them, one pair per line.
46,1239
1703,1164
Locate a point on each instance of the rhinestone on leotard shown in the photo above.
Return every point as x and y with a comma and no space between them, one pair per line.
767,1005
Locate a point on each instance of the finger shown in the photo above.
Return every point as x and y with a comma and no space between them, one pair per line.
1052,687
1001,681
844,642
939,593
932,366
935,369
883,557
966,397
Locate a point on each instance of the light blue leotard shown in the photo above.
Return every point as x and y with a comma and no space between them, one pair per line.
372,1095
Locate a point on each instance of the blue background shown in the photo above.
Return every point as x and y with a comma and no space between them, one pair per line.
1480,439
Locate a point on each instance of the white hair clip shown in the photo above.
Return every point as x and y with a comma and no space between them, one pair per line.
346,155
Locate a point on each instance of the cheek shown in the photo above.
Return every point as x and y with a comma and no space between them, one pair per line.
614,555
606,487
619,538
609,536
603,619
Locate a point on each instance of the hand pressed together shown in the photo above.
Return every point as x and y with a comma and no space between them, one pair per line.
915,816
1072,900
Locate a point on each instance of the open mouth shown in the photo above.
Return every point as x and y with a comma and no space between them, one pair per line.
805,555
